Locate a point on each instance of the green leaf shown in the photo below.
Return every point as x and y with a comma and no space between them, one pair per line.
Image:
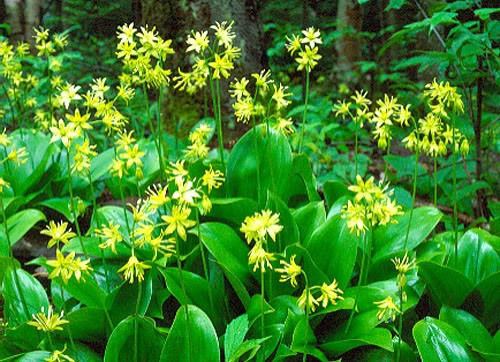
121,346
438,341
87,324
476,258
235,335
485,13
87,291
231,253
192,337
333,249
379,337
197,292
302,183
101,164
61,205
18,225
334,190
447,285
395,4
308,218
34,356
23,296
389,240
232,210
273,155
471,329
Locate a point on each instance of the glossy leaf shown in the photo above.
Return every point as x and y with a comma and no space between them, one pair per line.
23,296
333,249
121,346
192,337
18,225
272,154
438,341
235,335
308,218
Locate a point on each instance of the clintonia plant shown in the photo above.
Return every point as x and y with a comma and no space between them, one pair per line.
245,257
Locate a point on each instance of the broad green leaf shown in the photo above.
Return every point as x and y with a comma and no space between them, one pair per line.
231,253
121,346
192,337
379,337
490,298
302,183
87,292
197,292
18,225
101,164
232,210
235,335
23,296
115,214
447,285
308,218
88,324
333,249
475,334
61,205
290,233
333,191
389,240
438,341
34,356
476,258
268,152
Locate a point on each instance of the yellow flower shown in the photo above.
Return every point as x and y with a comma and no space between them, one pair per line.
363,189
59,356
58,233
307,300
238,88
157,196
212,179
185,193
49,322
80,121
19,156
243,109
308,58
262,80
293,44
133,156
290,271
224,33
342,108
198,41
360,99
65,133
221,65
69,94
330,293
311,37
178,221
3,184
279,96
118,167
65,267
257,226
134,269
403,265
284,126
355,215
177,171
260,258
111,235
4,138
388,310
126,32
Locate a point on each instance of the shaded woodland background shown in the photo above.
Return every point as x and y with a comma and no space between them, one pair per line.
359,51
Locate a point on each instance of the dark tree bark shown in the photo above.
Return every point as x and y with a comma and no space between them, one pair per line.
349,20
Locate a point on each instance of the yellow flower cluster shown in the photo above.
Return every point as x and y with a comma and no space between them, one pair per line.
143,53
199,138
66,267
46,46
372,206
329,293
360,105
49,322
17,155
306,47
213,57
128,156
268,102
403,266
256,229
59,356
433,136
388,310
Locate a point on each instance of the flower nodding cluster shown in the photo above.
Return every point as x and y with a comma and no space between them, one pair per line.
372,206
306,47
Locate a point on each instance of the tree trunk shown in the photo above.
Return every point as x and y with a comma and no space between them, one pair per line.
32,11
349,21
14,9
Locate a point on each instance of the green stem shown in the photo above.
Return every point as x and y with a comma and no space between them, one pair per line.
400,325
413,197
361,273
257,159
301,140
203,259
11,255
183,287
68,327
73,206
355,151
435,182
159,133
136,324
455,209
219,123
304,356
262,300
